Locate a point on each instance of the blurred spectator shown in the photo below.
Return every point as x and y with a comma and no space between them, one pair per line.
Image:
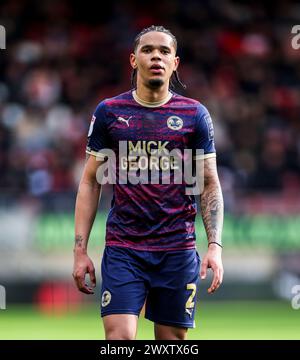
62,59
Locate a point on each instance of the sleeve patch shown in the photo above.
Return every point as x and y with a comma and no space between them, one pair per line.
91,125
210,127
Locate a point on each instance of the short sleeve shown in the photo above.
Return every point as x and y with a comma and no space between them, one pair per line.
204,133
97,134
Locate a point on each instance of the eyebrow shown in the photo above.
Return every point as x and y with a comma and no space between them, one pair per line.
163,47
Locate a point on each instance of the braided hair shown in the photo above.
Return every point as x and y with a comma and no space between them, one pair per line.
175,76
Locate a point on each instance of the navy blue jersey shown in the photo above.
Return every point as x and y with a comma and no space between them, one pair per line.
150,216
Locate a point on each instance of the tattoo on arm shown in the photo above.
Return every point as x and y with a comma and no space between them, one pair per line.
78,241
212,202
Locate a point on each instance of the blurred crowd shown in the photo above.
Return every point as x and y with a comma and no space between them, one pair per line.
63,57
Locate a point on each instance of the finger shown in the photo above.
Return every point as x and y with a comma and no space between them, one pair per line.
203,269
214,283
218,283
92,277
219,279
221,275
79,280
82,286
86,289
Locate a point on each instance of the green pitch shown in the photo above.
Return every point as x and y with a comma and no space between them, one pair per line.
214,320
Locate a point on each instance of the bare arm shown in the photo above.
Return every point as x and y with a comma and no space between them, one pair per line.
85,211
212,209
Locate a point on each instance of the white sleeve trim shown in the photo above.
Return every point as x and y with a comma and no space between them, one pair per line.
204,156
98,154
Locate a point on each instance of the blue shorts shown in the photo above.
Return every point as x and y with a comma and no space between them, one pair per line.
167,281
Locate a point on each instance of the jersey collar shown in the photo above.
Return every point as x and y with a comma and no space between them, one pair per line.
151,104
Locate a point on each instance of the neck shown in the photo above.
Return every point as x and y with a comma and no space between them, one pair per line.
152,95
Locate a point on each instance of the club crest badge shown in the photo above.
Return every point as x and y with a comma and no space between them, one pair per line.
174,123
106,298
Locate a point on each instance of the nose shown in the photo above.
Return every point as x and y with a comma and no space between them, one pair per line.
155,55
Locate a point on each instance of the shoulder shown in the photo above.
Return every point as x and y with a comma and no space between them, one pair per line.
184,100
112,102
193,103
116,100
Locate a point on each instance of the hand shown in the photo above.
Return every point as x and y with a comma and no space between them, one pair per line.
83,265
213,260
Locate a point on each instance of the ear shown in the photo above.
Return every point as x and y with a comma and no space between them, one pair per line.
132,60
176,62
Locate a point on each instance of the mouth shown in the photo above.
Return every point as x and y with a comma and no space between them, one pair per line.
156,69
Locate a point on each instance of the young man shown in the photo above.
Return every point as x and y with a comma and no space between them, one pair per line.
150,254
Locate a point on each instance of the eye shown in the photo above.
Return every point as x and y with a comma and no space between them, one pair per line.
146,50
165,51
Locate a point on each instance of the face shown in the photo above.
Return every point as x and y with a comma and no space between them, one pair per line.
155,59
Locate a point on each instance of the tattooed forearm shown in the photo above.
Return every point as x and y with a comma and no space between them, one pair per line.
212,213
212,203
79,243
